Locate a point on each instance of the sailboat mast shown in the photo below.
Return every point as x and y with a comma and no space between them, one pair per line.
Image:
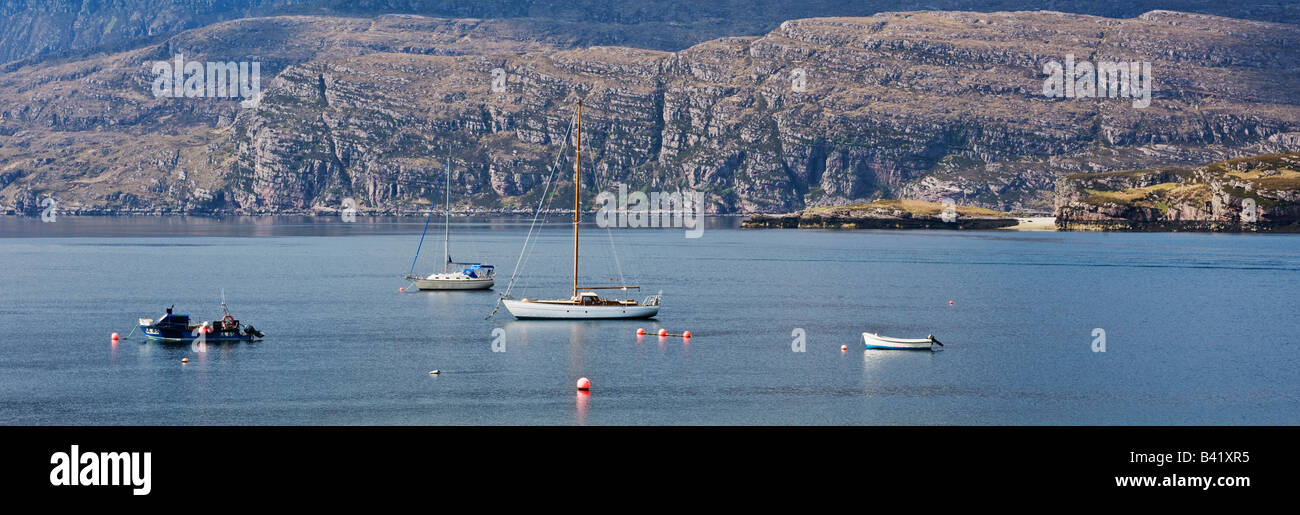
577,189
446,231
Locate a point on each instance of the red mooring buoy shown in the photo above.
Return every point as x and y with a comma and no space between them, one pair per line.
584,384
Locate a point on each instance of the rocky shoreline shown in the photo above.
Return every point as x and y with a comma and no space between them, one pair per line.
799,221
1170,226
318,213
1250,194
885,214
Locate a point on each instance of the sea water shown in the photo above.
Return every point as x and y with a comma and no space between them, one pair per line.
1038,327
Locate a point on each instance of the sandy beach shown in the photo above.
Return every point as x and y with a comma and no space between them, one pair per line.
1034,223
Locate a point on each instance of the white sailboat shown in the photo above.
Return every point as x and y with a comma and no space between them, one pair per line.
454,276
583,303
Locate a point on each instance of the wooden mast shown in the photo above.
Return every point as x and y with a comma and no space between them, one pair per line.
446,237
577,189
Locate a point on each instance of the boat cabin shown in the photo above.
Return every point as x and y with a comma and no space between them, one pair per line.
171,320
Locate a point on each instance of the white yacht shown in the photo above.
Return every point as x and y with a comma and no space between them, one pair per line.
454,276
583,303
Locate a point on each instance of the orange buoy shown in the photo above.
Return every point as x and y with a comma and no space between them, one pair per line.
402,289
663,332
185,360
950,303
584,384
686,334
844,347
115,337
640,331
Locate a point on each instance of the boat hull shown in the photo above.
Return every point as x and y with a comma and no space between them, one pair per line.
872,341
186,336
542,310
453,284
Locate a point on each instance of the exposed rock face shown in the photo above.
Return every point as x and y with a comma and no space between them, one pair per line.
818,112
1258,193
36,28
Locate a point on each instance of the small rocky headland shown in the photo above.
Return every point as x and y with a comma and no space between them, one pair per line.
886,214
1250,194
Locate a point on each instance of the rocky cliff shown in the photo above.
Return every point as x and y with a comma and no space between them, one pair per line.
1257,193
35,29
925,105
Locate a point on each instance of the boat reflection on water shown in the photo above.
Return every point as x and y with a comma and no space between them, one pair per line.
874,360
198,353
443,301
579,331
543,332
549,331
583,402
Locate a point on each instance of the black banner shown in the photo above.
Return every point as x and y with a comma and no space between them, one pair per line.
450,463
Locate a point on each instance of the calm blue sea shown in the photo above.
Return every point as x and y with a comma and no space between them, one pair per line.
1199,328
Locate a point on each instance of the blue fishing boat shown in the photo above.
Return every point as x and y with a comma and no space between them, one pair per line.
173,327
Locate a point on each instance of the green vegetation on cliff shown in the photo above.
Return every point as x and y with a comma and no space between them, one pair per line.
886,214
1256,193
912,207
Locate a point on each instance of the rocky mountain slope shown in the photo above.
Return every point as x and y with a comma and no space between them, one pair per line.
40,28
1256,193
822,111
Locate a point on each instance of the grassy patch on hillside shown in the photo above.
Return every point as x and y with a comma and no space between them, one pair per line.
1254,177
915,207
1159,196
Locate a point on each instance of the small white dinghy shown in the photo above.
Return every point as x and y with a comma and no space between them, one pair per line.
875,341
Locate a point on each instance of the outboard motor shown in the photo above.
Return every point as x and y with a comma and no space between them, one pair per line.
252,331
